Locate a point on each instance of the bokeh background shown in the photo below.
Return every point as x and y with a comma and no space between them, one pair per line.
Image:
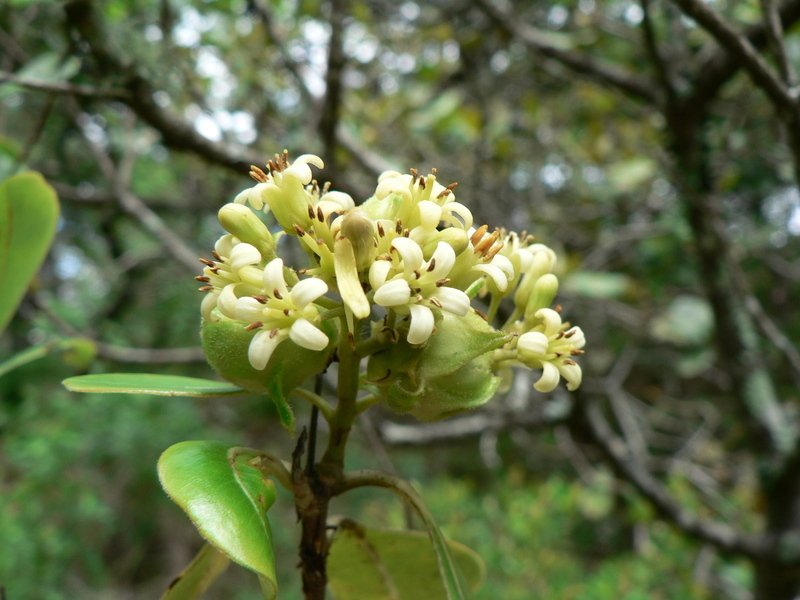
653,146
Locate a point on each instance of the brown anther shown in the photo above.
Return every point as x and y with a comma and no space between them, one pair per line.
482,315
570,333
442,281
487,243
252,326
422,183
432,265
399,227
560,335
417,274
381,232
492,252
300,231
320,215
310,211
414,174
258,174
435,302
576,352
215,270
419,297
558,308
286,311
406,233
273,333
205,288
320,242
277,294
452,186
205,261
352,339
559,354
326,187
443,194
216,255
568,361
203,278
302,271
261,299
479,233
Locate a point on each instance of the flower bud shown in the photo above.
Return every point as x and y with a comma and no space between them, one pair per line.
243,223
457,238
542,295
359,229
452,373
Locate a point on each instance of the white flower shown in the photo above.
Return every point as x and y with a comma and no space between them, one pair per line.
417,287
233,273
280,313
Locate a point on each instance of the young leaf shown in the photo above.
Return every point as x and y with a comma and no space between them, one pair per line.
366,564
147,383
195,578
227,500
28,218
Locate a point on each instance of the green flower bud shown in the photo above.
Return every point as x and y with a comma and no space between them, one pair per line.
542,295
243,223
452,373
359,229
457,238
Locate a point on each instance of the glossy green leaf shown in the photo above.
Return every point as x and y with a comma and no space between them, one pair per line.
227,500
147,383
195,578
377,564
28,217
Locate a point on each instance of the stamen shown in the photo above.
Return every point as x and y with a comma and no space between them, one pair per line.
286,311
277,294
559,335
300,231
273,333
576,352
568,361
482,315
206,262
217,256
205,288
443,281
557,308
352,339
258,174
381,232
432,265
399,227
310,211
261,299
417,274
443,193
479,233
320,215
203,278
452,186
569,334
255,325
435,302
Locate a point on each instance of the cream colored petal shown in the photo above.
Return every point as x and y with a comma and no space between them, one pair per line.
347,279
262,346
498,277
444,257
306,335
393,186
551,320
549,379
244,254
224,245
226,302
249,310
573,375
345,201
300,170
307,291
430,214
533,342
209,304
410,252
273,277
421,324
255,197
505,265
393,293
459,210
389,175
378,272
453,300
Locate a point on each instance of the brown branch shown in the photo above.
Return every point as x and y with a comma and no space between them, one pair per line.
331,104
774,29
718,534
62,87
583,64
662,67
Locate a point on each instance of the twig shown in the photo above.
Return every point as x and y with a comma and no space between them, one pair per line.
63,87
582,64
743,51
720,535
776,41
331,104
661,66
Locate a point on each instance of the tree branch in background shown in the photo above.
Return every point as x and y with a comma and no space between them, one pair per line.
329,117
583,64
662,67
62,87
774,29
720,535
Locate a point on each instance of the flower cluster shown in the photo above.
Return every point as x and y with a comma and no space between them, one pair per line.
404,258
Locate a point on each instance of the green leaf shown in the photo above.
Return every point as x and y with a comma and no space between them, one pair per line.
201,572
28,217
227,500
147,383
376,564
599,284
